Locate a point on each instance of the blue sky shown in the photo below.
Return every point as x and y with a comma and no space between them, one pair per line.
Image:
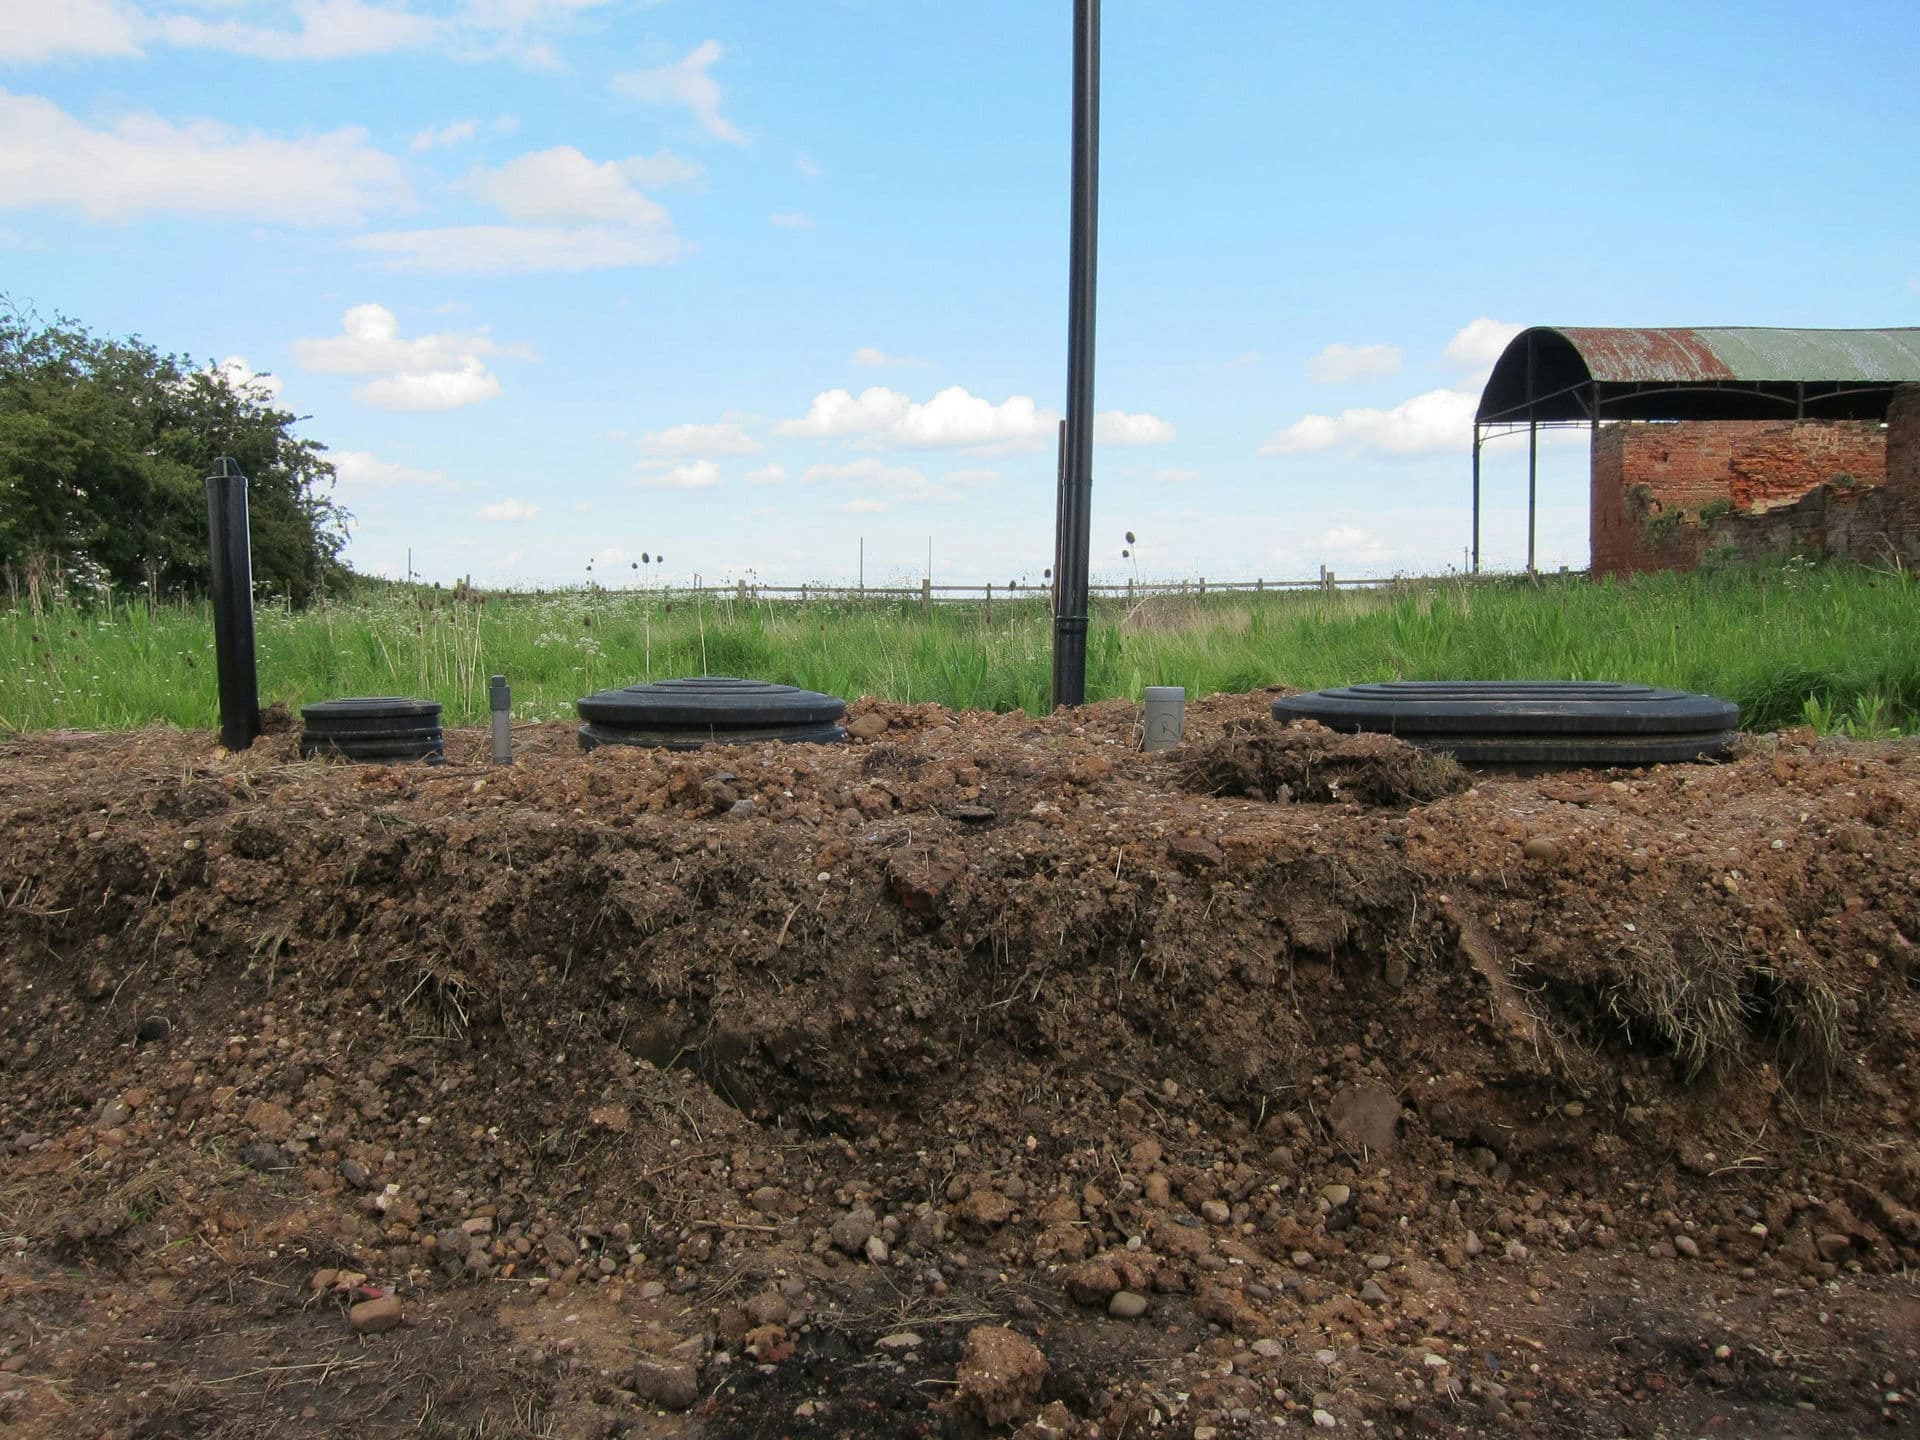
745,284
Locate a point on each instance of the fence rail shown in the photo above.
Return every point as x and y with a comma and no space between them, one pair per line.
929,593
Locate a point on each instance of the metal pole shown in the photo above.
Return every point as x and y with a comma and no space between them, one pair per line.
1533,475
1070,622
1476,497
230,588
1059,512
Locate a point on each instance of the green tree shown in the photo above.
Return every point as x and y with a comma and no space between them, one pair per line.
103,446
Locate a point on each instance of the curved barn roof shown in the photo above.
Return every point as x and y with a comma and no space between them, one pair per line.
1580,373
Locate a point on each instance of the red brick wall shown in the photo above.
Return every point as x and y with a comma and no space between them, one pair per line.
1903,473
1651,482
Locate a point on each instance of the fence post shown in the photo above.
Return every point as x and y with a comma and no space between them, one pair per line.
230,548
1333,582
740,591
926,593
1203,587
1259,587
989,600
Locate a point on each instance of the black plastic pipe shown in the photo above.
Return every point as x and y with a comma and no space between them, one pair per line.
1076,491
230,585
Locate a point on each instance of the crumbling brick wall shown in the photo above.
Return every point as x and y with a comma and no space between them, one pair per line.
1903,474
1658,489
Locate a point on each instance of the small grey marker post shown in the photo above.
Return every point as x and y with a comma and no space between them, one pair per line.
500,702
1166,716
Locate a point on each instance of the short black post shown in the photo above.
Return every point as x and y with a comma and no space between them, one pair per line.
230,587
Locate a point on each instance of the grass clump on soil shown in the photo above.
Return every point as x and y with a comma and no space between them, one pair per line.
1825,645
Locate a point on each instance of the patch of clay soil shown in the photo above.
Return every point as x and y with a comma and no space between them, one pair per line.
987,1076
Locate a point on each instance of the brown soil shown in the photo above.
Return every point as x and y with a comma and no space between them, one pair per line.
908,1087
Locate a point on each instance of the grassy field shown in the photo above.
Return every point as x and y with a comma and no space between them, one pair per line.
1831,645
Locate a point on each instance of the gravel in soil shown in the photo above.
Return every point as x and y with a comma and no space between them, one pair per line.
984,1075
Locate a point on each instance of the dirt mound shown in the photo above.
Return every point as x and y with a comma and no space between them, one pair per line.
732,1093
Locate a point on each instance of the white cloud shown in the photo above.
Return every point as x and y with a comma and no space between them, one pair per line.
1117,427
328,30
457,133
971,477
520,249
430,372
722,438
577,214
145,165
32,32
1338,364
807,166
790,220
1176,475
243,377
508,510
865,505
562,186
875,359
359,472
1439,420
953,418
692,475
1245,358
905,481
1478,343
687,83
767,474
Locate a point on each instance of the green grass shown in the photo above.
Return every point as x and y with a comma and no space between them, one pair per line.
1833,646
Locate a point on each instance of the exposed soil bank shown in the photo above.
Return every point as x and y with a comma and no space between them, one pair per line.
755,1092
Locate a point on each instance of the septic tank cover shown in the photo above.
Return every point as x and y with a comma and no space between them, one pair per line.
709,710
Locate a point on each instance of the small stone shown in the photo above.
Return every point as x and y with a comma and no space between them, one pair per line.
1336,1195
1833,1248
851,1231
1473,1244
1323,1420
610,1117
1687,1246
1269,1349
898,1340
767,1200
1379,1262
870,726
1127,1305
356,1175
1215,1212
1573,1109
670,1384
1540,848
987,1208
370,1317
113,1114
1373,1293
876,1250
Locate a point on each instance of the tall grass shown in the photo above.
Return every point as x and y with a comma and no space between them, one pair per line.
1829,645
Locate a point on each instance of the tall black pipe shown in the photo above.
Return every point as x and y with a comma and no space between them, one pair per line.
1076,508
230,585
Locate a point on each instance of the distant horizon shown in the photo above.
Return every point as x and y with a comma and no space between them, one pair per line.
573,280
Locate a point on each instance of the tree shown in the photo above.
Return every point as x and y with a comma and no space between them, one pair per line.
103,446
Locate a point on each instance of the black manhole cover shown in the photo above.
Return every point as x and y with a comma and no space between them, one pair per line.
709,710
1530,722
375,727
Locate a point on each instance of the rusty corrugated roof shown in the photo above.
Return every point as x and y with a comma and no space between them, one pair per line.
1751,353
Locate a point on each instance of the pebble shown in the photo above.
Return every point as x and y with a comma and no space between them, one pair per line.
877,1250
898,1340
370,1317
1473,1245
851,1231
1336,1195
1687,1246
356,1175
1373,1293
1127,1305
1215,1212
669,1384
1323,1419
